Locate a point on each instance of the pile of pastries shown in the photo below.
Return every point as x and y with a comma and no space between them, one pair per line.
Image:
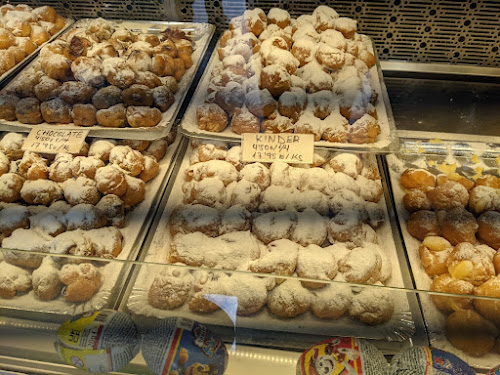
307,75
23,29
68,204
100,74
458,221
318,222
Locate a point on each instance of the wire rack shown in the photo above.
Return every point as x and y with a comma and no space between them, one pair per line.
425,31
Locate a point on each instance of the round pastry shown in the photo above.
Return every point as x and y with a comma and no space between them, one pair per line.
137,95
329,56
56,66
171,84
260,103
4,163
350,164
7,60
118,72
12,218
56,111
33,166
76,48
276,79
483,198
470,263
111,180
449,195
274,226
422,224
243,121
418,179
310,124
10,187
195,218
322,102
135,193
489,228
346,226
45,13
88,70
6,8
488,180
304,49
280,259
76,92
23,86
143,116
279,17
235,219
112,117
416,200
42,192
84,115
251,292
245,194
163,65
113,208
140,61
346,200
45,279
170,288
100,148
364,130
46,88
459,225
311,228
442,179
149,79
127,159
312,199
315,263
376,214
331,301
256,20
82,281
136,144
372,306
151,169
103,51
370,190
361,264
85,216
335,128
111,247
49,221
289,299
28,111
157,149
489,309
433,253
11,145
107,97
26,45
446,284
256,173
18,54
470,332
148,38
200,303
13,279
292,103
82,166
81,190
230,97
8,105
211,117
7,39
163,98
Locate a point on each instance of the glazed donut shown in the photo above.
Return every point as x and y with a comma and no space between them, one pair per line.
449,195
44,192
211,117
111,180
112,117
470,332
28,111
470,263
56,111
8,105
433,253
489,228
143,116
422,224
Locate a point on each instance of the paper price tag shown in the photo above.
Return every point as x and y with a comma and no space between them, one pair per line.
288,148
53,141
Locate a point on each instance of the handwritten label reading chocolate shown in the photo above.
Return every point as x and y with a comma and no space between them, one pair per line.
288,148
52,141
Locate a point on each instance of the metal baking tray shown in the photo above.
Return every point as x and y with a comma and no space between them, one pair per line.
10,74
405,323
388,140
115,271
201,34
467,159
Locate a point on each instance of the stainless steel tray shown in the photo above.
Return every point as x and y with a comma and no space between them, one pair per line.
201,35
439,157
8,75
406,321
115,271
387,141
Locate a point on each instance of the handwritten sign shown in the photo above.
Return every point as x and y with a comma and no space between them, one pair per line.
52,141
288,148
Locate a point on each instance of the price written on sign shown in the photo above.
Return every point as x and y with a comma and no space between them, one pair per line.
50,141
288,148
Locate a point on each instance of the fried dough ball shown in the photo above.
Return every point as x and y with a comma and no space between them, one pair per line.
151,169
128,159
459,225
118,72
107,97
111,180
418,179
148,79
33,166
483,198
157,149
7,61
276,79
84,114
56,111
449,195
162,98
488,180
422,224
211,117
82,281
489,228
46,88
244,122
60,169
135,193
470,263
112,117
44,192
137,95
114,209
470,332
28,111
8,105
143,116
489,309
416,200
11,144
446,284
433,253
7,39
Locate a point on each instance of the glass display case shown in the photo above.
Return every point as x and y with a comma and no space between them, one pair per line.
389,233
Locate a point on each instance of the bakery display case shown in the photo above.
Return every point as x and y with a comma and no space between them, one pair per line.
389,234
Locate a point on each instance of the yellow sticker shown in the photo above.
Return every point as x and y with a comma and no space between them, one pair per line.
52,141
268,148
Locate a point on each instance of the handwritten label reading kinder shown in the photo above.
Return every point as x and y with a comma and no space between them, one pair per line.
52,141
289,148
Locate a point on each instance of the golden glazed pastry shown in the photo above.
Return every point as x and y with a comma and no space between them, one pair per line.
418,179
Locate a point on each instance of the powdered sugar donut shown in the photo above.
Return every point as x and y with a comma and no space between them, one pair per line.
350,164
11,145
60,169
88,70
483,198
459,225
10,187
118,72
114,209
334,39
324,18
315,77
289,299
316,263
82,281
128,159
107,241
279,17
135,193
280,258
344,199
311,228
345,226
170,288
347,26
200,303
361,265
313,179
12,280
278,173
85,216
50,221
246,194
209,192
274,226
372,306
101,148
276,123
251,292
195,218
81,190
309,124
25,239
340,181
331,301
469,263
278,198
111,180
222,169
256,173
488,231
276,79
418,179
370,190
449,195
33,167
12,218
82,166
41,192
234,219
314,200
304,49
45,280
